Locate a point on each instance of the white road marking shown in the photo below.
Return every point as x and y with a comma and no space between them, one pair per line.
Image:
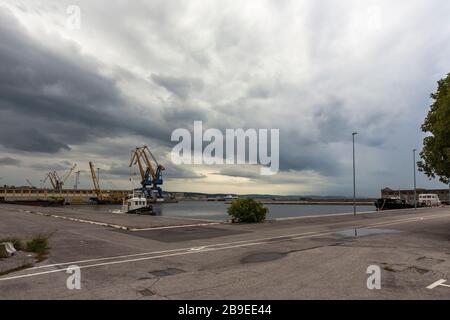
179,226
208,248
116,226
172,250
197,249
438,283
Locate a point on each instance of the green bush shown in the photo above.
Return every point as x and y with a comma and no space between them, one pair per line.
247,210
39,244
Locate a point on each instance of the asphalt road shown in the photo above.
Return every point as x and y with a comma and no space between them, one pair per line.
306,258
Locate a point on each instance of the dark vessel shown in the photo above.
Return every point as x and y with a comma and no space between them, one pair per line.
106,201
392,204
36,203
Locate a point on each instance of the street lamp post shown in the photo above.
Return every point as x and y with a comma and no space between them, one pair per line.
77,179
414,166
354,175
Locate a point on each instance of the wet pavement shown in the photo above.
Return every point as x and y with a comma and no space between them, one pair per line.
304,258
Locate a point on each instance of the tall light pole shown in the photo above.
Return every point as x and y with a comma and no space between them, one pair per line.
354,175
77,179
414,166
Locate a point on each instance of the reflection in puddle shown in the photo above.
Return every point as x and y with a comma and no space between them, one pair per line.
364,232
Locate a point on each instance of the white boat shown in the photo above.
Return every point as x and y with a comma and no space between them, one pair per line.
137,204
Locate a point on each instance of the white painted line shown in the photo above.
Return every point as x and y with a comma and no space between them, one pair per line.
438,283
286,237
173,250
178,226
139,259
244,243
116,226
197,249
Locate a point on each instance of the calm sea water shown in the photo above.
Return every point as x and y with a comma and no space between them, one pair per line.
218,210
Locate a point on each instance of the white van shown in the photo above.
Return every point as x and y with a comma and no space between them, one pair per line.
429,200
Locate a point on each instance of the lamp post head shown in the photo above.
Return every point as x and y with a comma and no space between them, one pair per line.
354,133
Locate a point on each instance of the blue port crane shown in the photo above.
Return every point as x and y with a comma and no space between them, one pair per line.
151,174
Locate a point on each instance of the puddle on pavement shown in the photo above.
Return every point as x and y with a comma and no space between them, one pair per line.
146,292
166,272
364,232
262,257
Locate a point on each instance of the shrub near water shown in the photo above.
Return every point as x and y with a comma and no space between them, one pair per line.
38,244
247,210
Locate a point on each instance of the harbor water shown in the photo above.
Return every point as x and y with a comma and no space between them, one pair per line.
218,210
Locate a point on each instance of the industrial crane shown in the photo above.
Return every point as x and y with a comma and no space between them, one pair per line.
103,197
151,176
97,189
57,182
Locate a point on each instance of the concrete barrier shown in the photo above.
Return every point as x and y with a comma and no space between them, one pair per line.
6,249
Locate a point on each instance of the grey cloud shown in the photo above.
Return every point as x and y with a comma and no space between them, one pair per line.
312,70
49,102
50,166
180,86
7,161
179,172
259,92
239,171
172,171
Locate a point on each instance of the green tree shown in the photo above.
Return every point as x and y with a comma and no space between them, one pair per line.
436,151
247,210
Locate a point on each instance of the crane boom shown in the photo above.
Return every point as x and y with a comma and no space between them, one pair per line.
95,180
64,179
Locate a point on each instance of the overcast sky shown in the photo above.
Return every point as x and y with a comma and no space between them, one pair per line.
137,70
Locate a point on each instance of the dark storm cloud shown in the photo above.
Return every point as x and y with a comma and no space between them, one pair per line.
48,102
314,157
317,71
7,161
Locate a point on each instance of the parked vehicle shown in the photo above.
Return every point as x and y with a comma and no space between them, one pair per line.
429,200
392,204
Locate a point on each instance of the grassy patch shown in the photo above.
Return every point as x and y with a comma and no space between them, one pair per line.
39,245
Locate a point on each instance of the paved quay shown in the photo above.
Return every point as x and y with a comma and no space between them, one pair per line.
304,258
